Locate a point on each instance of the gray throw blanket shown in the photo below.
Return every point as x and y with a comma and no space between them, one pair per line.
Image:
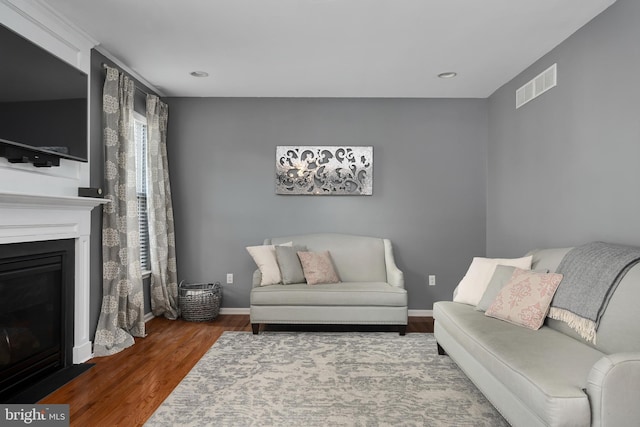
591,274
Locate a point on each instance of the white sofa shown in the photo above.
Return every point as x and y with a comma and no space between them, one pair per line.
371,291
551,376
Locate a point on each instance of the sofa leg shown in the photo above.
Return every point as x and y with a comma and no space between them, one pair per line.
441,351
255,327
402,329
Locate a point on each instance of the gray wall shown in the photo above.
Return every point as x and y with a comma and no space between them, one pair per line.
453,179
428,197
564,169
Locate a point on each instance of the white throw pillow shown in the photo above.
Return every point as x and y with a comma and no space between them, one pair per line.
265,258
475,282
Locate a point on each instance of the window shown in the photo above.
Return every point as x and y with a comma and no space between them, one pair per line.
140,137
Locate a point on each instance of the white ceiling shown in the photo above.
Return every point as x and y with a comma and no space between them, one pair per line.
329,48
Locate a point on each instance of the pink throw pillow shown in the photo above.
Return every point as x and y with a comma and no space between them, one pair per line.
318,267
525,300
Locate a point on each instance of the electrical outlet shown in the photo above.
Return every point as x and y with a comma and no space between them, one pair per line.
229,278
432,280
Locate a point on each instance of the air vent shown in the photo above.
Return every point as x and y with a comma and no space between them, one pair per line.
539,85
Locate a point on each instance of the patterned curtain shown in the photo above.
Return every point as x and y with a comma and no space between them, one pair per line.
122,313
162,244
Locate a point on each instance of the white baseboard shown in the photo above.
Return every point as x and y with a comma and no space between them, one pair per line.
413,313
421,313
233,310
149,316
245,311
82,353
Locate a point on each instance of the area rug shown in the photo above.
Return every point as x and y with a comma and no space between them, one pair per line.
325,379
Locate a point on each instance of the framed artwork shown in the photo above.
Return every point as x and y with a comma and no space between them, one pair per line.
324,170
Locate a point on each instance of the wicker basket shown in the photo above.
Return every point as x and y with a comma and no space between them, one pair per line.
199,302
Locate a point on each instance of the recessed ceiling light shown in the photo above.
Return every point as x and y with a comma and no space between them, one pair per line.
199,74
447,75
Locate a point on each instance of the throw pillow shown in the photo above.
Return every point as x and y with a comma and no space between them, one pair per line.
475,282
289,263
525,300
265,258
499,279
318,267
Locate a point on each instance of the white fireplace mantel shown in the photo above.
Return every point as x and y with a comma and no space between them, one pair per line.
36,217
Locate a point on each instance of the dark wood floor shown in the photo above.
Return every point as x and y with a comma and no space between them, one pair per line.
125,389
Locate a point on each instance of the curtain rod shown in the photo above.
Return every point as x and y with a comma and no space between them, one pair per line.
104,66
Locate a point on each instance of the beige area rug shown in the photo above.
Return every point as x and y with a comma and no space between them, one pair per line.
325,379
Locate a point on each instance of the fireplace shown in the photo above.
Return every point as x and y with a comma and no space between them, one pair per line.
36,312
39,219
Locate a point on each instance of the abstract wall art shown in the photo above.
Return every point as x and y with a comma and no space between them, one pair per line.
324,170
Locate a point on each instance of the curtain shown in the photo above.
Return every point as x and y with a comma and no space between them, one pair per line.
162,246
122,312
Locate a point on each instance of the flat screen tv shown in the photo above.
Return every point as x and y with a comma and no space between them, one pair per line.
43,104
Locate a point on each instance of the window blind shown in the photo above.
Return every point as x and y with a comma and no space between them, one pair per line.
140,136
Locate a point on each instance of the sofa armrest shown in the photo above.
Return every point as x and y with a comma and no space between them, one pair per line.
395,276
612,387
257,278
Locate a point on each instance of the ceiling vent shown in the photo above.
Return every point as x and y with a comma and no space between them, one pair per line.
537,86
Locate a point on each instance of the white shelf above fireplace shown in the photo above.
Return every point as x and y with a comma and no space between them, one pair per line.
55,202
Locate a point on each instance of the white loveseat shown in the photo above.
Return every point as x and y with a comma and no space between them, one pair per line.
370,292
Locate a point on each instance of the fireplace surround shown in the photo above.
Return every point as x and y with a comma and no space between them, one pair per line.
37,218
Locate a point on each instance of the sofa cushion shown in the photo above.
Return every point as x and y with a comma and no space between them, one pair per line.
500,277
545,369
318,267
547,258
355,258
525,299
337,294
265,258
475,281
289,263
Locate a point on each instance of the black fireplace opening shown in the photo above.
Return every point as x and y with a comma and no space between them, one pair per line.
36,313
